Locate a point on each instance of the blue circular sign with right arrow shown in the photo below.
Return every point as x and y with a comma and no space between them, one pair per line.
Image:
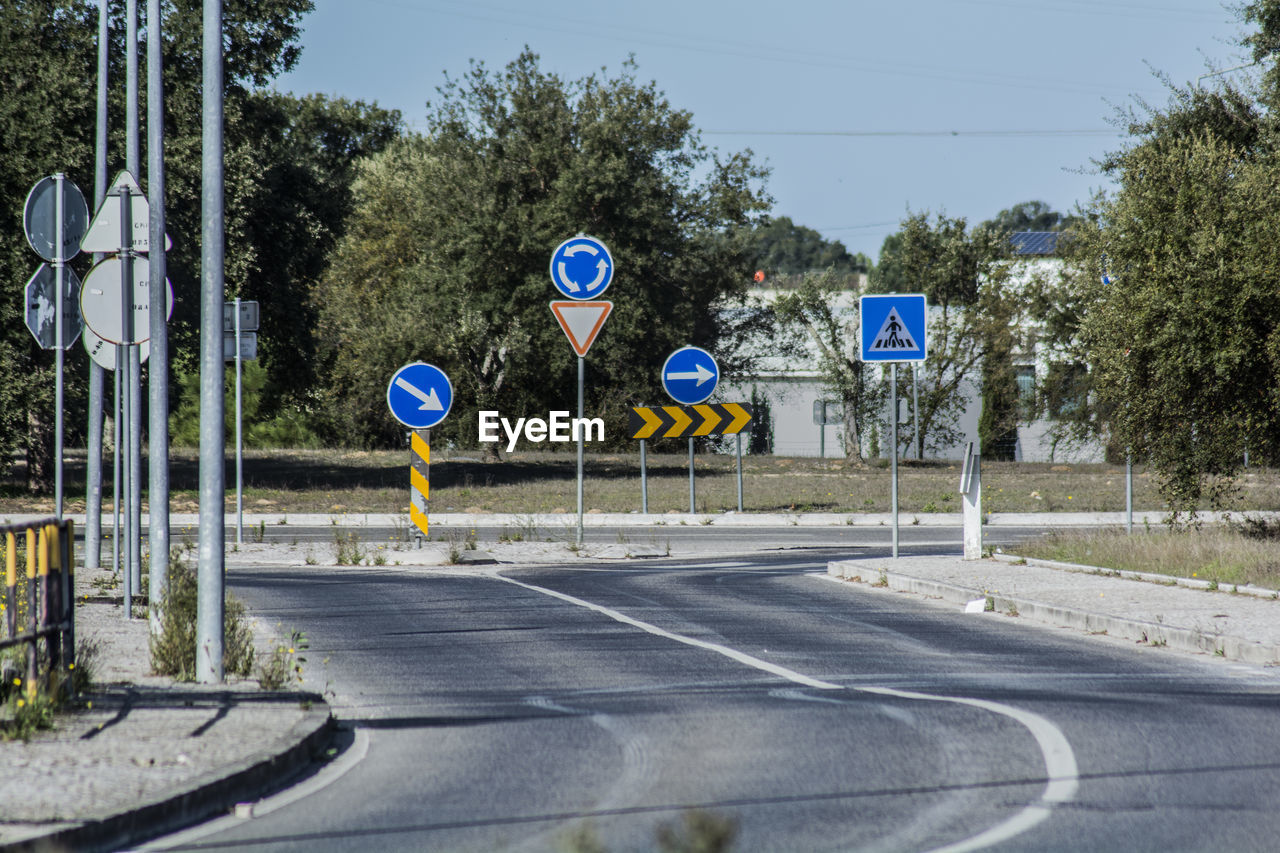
419,395
690,375
581,267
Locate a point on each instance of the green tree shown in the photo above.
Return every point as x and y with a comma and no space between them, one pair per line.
1185,347
787,249
1028,216
827,314
974,311
1180,349
47,63
445,257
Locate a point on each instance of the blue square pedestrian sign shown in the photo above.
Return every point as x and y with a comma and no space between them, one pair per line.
893,327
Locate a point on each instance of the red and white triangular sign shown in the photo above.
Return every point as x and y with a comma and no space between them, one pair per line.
581,321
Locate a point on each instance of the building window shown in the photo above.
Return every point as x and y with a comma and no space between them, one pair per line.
1026,377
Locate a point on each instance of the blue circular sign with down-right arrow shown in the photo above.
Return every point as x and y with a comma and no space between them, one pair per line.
419,395
690,375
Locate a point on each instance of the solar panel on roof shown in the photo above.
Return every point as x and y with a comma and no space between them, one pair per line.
1035,242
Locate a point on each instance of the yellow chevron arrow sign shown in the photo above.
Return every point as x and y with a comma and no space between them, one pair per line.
680,421
704,419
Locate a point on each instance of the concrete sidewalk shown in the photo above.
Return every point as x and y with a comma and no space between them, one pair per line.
1236,623
143,755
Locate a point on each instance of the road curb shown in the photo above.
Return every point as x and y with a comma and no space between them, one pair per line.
1161,580
216,793
1155,634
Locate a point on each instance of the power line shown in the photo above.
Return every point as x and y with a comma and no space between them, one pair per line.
921,133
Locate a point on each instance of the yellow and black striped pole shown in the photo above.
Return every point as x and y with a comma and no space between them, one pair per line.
420,478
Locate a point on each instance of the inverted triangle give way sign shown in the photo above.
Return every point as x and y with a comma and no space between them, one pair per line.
581,321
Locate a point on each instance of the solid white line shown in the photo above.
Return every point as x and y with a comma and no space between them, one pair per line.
326,776
1059,763
1059,759
732,654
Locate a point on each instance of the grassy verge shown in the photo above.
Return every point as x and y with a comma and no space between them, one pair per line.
1228,556
337,481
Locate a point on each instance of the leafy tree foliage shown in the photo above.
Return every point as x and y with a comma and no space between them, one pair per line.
815,306
785,248
1028,216
288,172
445,258
47,58
1183,347
963,273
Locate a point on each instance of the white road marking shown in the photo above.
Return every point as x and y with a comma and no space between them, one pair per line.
1059,759
323,778
1059,765
732,654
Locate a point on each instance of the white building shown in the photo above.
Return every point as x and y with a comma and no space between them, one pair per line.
792,386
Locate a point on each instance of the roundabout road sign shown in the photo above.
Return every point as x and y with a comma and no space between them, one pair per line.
690,375
419,395
581,267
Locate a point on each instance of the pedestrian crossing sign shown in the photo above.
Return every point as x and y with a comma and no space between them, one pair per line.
893,327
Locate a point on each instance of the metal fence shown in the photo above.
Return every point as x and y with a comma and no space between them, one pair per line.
39,609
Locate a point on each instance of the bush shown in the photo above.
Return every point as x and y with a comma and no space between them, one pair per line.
173,652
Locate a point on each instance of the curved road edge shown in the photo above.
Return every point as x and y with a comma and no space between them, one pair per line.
242,777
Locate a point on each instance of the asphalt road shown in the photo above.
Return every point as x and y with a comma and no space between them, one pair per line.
509,710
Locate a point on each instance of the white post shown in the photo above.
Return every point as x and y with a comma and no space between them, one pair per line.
971,491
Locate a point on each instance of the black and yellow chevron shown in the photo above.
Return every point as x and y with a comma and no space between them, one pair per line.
681,421
419,478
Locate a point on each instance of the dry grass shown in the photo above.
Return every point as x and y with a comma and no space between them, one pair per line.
337,481
1225,555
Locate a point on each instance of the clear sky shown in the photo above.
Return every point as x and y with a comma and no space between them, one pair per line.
863,110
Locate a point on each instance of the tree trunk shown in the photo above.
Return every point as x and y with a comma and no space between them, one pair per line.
852,433
40,454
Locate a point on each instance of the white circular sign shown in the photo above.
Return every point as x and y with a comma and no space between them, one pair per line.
40,218
102,305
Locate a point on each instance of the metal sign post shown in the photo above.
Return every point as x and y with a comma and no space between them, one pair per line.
893,328
581,269
239,342
738,442
705,419
54,218
893,451
59,262
644,480
581,437
239,435
689,376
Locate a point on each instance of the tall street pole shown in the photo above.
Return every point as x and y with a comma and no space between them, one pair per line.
97,375
158,373
209,592
131,384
